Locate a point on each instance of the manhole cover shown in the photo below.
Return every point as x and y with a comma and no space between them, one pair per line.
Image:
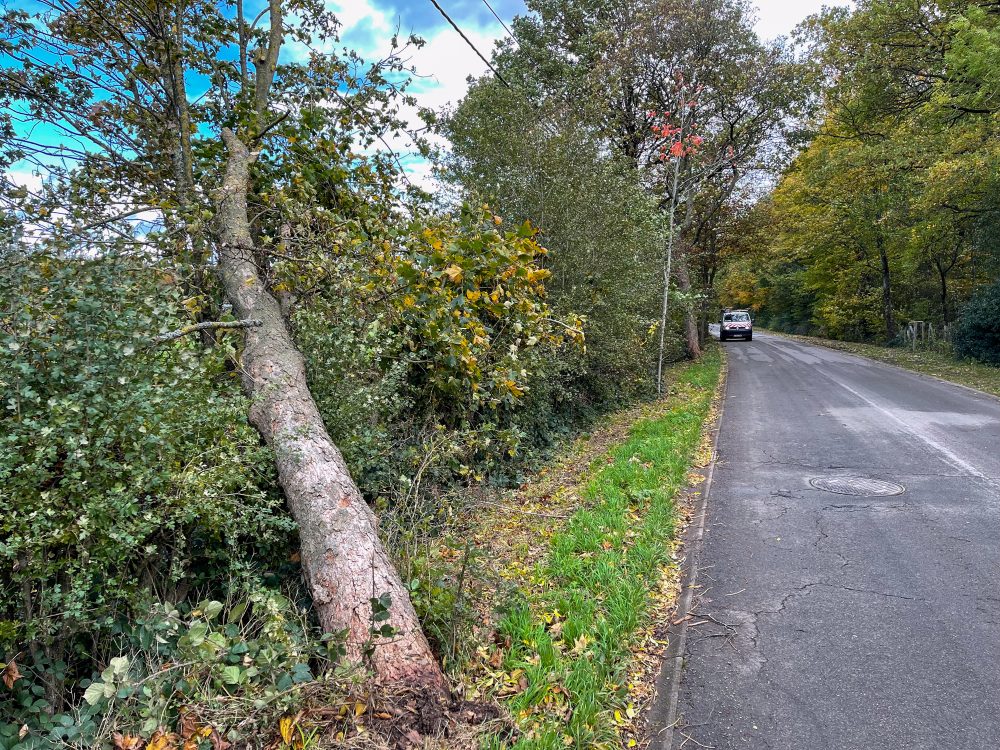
857,486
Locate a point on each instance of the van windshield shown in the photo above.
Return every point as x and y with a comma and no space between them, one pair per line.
736,318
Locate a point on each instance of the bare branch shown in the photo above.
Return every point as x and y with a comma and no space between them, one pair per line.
267,59
210,325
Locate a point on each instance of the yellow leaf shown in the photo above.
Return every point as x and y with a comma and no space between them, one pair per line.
432,239
409,300
513,388
359,708
539,274
473,295
162,741
454,273
285,726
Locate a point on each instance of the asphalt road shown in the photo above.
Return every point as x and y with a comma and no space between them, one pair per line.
851,622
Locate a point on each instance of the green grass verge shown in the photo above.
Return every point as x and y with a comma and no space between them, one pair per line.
570,641
940,364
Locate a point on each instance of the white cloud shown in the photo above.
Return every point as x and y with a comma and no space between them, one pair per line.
25,178
779,17
448,62
353,14
443,64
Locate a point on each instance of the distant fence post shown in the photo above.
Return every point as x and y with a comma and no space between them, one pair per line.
926,334
911,334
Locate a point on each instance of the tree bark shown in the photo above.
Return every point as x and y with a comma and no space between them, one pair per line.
690,314
344,563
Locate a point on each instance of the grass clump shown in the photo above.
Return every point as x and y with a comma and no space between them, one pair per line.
567,636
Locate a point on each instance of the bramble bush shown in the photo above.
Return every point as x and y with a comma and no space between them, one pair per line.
130,473
192,674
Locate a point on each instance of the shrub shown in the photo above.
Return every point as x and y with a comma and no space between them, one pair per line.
129,471
198,674
977,330
434,356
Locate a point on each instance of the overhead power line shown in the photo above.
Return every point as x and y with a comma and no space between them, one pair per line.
469,42
509,32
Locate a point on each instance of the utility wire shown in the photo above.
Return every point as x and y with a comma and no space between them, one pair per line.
509,32
469,42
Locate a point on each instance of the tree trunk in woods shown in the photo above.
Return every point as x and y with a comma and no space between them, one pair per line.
887,313
690,314
344,563
944,294
943,270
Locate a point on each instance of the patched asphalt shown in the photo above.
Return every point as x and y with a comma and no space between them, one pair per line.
837,621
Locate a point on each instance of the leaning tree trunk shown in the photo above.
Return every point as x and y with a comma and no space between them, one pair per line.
344,563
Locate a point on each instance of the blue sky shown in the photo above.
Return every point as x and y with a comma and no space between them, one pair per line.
445,62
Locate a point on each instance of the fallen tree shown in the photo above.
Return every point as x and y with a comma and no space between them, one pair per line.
111,81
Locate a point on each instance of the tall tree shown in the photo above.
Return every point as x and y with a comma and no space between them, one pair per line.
616,63
908,121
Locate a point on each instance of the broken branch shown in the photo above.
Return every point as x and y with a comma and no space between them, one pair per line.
206,326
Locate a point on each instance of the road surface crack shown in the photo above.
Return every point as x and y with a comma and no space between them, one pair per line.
808,586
